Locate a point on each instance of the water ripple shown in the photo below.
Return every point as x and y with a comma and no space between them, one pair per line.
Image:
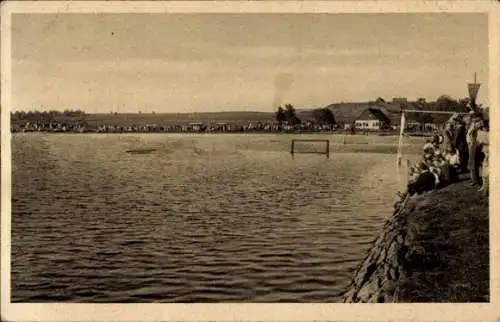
204,218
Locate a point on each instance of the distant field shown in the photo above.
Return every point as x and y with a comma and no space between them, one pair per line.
341,114
222,117
150,118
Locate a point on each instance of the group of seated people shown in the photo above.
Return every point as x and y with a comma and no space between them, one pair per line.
444,156
438,166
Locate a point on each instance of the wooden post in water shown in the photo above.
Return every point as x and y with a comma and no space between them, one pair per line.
328,149
292,148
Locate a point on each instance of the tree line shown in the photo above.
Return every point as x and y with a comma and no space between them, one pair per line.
325,116
45,115
443,103
288,114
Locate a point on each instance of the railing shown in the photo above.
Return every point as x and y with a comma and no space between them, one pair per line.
326,152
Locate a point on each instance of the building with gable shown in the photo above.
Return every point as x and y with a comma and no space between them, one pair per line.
372,119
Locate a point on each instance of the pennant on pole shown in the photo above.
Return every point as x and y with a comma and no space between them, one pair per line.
473,90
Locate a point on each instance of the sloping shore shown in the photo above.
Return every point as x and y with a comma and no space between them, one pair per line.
435,248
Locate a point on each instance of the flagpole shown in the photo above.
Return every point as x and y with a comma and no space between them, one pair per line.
400,144
400,147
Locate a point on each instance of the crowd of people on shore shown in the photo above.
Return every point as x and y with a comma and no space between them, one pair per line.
462,147
42,126
194,127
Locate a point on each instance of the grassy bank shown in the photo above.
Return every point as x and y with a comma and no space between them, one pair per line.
448,260
434,248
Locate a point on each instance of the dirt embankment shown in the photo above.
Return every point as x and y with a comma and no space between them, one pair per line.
435,248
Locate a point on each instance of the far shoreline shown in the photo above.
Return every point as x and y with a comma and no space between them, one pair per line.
336,134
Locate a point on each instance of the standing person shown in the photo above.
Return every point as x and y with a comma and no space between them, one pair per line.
448,141
461,143
484,142
485,169
472,130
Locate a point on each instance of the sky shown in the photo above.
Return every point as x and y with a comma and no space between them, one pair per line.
172,63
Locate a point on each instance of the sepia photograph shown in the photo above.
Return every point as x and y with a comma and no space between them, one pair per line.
247,157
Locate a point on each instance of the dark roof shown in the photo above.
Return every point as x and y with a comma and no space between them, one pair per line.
391,107
374,113
348,112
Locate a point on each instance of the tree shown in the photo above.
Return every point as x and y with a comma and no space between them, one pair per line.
290,111
329,117
444,97
291,115
324,116
317,114
446,103
280,115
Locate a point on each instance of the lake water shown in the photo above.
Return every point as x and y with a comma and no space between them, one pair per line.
203,218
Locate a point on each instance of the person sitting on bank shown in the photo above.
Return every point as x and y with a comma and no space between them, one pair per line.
422,179
442,164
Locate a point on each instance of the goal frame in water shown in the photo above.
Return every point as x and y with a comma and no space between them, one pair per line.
326,152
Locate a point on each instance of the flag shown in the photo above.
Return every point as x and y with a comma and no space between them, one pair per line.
473,90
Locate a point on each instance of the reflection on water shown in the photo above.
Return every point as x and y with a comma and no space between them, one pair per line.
201,218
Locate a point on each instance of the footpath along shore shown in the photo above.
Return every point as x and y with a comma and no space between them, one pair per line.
435,248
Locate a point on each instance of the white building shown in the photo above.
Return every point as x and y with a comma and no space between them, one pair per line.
372,119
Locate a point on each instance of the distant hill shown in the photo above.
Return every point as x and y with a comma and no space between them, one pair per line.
344,113
166,118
